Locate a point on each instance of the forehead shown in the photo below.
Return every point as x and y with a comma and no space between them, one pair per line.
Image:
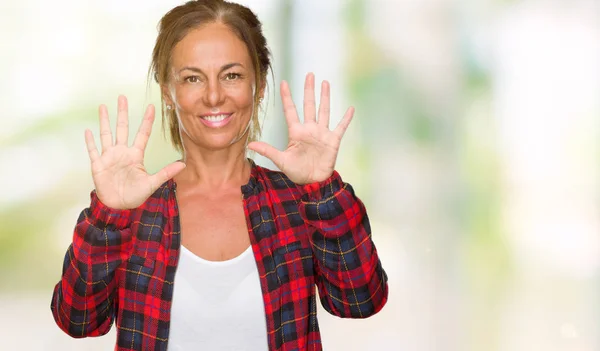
210,47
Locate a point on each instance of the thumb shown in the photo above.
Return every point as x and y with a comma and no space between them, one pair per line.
166,173
267,151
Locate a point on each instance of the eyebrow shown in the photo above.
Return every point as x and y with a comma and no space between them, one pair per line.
198,70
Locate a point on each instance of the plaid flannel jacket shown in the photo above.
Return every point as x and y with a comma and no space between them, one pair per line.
121,264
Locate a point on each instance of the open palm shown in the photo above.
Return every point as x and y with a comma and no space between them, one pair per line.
119,175
312,148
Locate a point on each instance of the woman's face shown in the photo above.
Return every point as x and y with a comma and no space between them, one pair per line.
211,87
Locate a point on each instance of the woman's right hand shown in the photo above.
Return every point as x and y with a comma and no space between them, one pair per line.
119,175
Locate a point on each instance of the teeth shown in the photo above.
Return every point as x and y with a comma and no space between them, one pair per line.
216,118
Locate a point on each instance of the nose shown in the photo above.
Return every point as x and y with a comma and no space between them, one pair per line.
213,96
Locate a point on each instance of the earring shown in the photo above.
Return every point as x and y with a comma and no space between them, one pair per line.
169,107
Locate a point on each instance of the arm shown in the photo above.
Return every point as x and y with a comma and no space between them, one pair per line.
83,303
349,275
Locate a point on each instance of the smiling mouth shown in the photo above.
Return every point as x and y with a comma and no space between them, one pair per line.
216,121
217,118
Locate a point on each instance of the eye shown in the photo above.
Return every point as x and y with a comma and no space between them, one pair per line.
192,79
232,76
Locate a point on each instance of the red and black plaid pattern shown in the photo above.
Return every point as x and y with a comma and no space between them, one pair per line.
121,264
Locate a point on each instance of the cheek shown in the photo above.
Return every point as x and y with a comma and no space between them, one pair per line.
187,96
241,96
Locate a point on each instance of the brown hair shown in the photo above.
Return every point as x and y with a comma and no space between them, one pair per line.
179,21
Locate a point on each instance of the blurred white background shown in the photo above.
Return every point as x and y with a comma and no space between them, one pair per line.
475,147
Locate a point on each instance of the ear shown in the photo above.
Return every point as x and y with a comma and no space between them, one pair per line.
166,95
263,86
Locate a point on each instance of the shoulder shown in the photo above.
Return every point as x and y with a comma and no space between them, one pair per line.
273,179
263,179
162,201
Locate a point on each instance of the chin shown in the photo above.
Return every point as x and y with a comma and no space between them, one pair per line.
218,142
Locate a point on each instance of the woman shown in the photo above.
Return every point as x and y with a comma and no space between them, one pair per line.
215,252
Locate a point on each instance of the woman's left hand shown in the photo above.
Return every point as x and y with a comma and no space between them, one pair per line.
312,148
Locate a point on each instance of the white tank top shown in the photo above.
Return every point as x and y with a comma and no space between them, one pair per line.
217,305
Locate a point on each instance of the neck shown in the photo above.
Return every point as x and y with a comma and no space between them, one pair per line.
215,169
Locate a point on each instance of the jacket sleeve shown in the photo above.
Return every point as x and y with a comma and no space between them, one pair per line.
349,275
83,302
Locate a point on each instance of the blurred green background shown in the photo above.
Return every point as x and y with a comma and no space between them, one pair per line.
475,147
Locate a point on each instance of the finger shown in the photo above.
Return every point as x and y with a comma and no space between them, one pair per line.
143,134
91,146
289,109
122,121
166,173
267,151
344,123
105,133
309,99
324,107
